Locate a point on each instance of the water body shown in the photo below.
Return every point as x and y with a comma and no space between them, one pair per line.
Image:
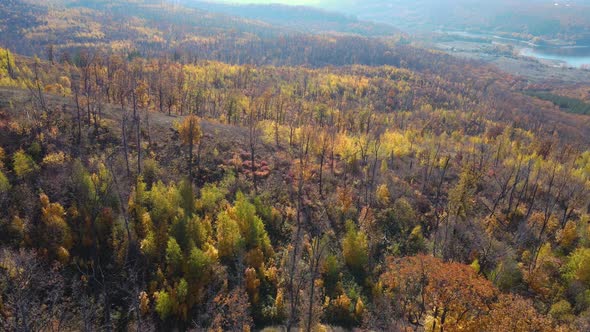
571,56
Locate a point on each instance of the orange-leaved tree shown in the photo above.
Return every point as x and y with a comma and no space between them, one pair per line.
442,296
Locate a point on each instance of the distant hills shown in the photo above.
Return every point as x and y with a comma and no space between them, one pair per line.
534,18
299,18
567,20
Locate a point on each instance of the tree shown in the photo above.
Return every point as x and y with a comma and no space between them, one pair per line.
461,203
23,164
250,225
173,254
35,86
446,295
198,265
252,285
325,139
49,50
4,183
514,313
33,293
7,68
121,83
187,198
231,311
577,267
401,227
163,304
190,134
229,239
141,99
507,275
56,231
462,196
383,195
317,250
355,249
253,138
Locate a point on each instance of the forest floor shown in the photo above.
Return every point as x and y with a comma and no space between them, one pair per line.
220,142
161,125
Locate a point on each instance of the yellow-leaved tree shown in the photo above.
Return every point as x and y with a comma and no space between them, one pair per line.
56,231
355,249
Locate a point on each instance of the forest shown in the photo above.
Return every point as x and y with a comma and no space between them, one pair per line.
237,176
568,104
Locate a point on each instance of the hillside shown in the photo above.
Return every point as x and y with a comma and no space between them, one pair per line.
30,27
154,26
169,168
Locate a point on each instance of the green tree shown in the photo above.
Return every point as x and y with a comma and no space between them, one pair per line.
507,275
182,290
198,264
229,238
187,197
355,249
4,183
23,164
251,226
211,195
164,304
173,253
577,267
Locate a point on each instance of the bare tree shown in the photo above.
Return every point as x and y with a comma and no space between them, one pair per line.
32,293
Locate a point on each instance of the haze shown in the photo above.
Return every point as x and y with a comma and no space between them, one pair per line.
284,2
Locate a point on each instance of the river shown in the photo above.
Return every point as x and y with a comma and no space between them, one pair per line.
571,56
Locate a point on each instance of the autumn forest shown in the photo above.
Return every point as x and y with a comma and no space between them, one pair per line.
167,168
